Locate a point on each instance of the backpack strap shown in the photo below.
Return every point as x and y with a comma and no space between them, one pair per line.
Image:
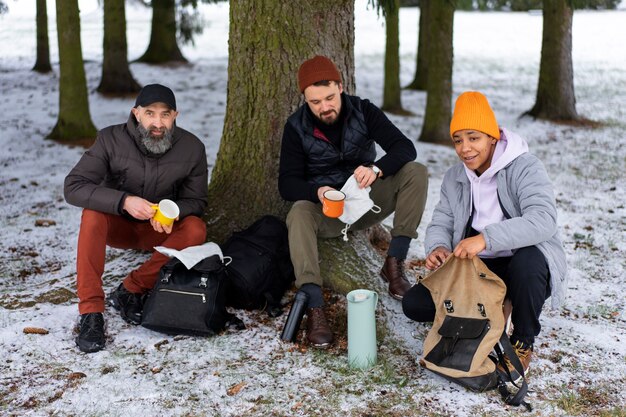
508,397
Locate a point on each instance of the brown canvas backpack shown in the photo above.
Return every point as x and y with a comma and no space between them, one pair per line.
468,325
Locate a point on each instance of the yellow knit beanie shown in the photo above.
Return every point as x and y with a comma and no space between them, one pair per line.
472,111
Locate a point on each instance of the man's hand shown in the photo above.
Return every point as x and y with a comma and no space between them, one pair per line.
161,228
437,257
470,247
139,208
364,176
322,190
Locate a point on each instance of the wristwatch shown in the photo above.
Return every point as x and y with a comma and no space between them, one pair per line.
376,170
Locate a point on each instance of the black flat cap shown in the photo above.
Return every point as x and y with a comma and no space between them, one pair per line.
156,93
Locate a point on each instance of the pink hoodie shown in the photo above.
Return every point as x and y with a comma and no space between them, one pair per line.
484,195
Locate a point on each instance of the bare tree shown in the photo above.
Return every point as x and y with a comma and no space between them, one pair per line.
421,66
74,122
440,57
163,46
392,92
116,76
42,64
555,93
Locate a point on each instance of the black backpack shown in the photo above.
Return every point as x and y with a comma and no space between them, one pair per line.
188,301
261,269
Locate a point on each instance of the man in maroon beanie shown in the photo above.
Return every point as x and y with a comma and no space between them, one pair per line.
130,168
327,140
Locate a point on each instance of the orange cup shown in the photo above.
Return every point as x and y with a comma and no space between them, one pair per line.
332,203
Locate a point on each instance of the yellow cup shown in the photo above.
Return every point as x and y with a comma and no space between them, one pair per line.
332,203
166,212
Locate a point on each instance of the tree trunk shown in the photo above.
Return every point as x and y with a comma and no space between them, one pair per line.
163,46
421,67
436,127
74,121
116,76
555,92
392,98
43,46
260,99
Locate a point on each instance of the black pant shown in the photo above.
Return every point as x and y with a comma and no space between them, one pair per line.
527,280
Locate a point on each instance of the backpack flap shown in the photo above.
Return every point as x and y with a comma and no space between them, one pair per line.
460,339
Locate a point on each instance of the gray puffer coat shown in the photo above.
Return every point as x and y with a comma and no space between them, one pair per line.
526,195
117,166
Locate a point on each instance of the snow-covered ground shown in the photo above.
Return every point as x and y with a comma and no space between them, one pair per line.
580,364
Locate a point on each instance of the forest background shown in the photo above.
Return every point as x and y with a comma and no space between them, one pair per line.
580,361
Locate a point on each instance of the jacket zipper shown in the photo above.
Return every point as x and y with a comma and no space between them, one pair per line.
186,293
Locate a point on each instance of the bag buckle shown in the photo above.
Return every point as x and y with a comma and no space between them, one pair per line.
481,309
448,305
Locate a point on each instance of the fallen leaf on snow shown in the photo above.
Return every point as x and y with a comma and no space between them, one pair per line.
234,390
45,222
35,330
76,375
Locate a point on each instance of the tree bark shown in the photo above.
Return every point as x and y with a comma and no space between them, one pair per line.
116,76
421,67
392,93
555,93
436,127
74,121
42,64
163,46
270,47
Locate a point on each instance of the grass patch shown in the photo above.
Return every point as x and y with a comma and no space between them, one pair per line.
584,401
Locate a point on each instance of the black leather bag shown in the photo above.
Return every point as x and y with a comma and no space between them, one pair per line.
188,301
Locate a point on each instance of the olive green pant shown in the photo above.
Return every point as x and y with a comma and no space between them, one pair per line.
403,193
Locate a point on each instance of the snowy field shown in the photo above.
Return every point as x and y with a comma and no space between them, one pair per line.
580,362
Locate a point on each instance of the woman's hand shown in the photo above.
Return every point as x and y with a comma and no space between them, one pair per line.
470,247
437,257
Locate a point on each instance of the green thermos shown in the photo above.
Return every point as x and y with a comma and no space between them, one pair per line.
362,328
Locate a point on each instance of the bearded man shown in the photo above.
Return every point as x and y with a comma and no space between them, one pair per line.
118,181
327,140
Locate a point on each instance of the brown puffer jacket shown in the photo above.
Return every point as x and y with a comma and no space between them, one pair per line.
116,166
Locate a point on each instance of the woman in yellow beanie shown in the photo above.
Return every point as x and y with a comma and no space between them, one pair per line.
498,204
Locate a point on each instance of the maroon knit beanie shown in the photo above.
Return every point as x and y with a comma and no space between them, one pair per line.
318,68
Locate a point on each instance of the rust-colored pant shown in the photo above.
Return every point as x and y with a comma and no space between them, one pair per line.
97,230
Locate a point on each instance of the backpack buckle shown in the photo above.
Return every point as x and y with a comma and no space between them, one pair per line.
481,309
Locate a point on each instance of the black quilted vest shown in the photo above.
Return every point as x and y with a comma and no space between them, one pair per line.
327,164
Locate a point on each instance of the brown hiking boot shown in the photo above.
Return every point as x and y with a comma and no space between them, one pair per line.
318,332
524,353
393,273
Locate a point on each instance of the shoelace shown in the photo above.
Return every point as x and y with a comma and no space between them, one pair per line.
520,351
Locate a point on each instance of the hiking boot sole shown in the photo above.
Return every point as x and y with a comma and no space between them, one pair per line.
320,345
89,347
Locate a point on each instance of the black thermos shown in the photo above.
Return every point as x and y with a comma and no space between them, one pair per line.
294,318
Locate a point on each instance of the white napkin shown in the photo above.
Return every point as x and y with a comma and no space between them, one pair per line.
356,204
193,254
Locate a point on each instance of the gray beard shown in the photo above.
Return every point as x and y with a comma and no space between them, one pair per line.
155,145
